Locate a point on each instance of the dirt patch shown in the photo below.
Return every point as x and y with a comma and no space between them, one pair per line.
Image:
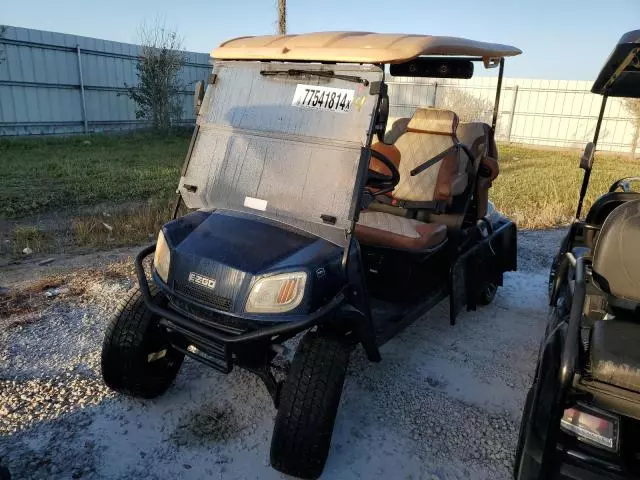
210,423
19,303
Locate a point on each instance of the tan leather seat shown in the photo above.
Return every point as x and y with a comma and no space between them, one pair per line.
385,229
430,132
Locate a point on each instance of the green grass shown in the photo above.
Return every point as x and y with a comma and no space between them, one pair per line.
39,175
539,188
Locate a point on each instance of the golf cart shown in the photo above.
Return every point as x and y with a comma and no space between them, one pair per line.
582,414
300,222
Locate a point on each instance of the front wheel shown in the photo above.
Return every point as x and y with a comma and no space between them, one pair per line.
137,357
487,293
308,406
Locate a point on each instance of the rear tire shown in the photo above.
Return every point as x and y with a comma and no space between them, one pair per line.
132,337
308,406
487,293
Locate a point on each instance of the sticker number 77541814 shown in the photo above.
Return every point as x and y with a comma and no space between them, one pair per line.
323,98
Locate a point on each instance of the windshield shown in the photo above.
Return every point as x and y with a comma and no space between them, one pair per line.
284,145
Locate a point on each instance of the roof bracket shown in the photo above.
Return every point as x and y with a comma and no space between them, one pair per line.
378,88
491,62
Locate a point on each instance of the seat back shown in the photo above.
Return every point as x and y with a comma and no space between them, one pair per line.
616,256
398,128
430,132
478,138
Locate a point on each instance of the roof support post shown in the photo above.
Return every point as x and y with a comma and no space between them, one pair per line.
596,134
587,173
496,104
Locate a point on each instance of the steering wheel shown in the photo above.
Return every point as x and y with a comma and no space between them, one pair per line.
623,183
382,183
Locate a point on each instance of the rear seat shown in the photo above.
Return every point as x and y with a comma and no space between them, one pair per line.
614,354
428,133
477,137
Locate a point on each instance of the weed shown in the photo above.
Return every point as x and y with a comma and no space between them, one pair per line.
28,236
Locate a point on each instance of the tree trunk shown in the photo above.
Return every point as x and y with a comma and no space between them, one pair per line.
282,17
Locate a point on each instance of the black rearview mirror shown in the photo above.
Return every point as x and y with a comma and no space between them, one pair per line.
433,68
586,162
198,96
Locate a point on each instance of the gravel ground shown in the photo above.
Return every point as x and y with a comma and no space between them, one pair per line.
444,402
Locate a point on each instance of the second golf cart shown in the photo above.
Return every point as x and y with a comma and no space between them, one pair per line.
582,414
304,220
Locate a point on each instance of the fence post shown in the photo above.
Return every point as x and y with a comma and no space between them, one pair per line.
513,112
435,92
84,103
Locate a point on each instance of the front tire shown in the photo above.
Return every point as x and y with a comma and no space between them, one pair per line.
308,406
137,358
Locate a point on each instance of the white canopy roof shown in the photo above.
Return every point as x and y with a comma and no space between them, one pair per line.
355,47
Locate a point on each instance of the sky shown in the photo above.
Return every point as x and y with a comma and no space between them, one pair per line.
561,39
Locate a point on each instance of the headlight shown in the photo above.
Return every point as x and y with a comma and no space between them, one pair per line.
277,293
162,258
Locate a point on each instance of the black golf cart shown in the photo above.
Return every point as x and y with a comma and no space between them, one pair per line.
582,414
299,224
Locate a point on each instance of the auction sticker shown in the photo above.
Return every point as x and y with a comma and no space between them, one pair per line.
323,98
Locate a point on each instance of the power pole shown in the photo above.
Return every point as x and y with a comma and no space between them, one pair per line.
282,17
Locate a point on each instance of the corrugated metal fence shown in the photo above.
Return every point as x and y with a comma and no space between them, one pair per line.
557,113
52,83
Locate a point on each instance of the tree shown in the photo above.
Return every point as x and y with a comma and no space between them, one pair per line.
633,107
282,17
157,94
468,107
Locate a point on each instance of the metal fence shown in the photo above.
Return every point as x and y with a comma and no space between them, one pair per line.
52,83
539,112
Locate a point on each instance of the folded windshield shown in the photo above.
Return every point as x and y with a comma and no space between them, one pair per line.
283,146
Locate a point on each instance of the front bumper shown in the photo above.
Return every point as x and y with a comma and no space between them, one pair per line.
217,342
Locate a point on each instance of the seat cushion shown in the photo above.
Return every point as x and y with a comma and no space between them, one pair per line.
614,353
385,229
